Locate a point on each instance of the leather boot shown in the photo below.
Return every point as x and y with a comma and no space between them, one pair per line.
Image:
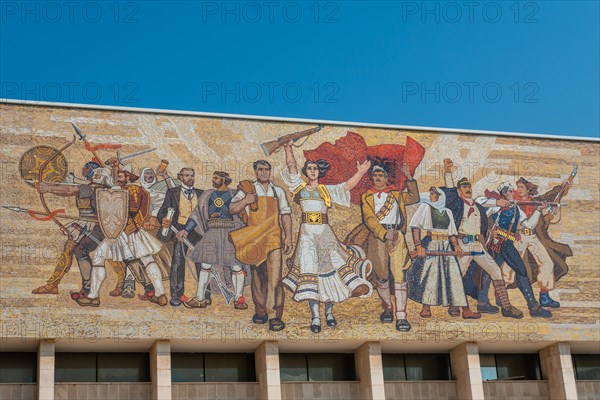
425,311
118,289
547,301
508,310
467,313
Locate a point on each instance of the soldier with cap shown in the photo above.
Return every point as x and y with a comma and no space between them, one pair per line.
472,223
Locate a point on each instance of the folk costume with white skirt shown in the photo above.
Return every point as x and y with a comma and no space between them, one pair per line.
322,268
132,244
435,280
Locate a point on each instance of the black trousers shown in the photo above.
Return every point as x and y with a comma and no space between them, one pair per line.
509,254
177,276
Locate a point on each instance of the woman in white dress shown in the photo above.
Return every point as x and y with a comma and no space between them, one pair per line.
323,270
435,279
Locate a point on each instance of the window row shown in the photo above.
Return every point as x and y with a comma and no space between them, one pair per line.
239,367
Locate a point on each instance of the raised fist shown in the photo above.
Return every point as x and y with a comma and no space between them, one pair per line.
448,165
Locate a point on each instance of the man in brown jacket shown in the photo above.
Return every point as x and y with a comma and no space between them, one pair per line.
384,214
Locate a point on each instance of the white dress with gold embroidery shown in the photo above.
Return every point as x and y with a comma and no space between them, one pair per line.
323,268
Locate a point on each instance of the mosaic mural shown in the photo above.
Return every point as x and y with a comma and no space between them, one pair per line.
141,225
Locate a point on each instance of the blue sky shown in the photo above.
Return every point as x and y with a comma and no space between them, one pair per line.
500,65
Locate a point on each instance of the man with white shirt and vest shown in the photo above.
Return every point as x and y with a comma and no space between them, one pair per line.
263,242
384,214
472,223
183,201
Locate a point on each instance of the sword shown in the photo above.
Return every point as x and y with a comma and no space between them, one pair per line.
86,232
133,155
227,294
185,240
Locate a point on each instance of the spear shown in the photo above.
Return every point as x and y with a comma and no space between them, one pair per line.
56,214
83,138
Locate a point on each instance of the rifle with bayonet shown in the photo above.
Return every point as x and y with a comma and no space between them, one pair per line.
553,210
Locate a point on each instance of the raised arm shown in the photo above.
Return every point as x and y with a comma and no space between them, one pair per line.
411,195
361,170
448,178
62,190
290,159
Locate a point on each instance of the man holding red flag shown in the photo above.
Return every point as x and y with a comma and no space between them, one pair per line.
384,214
383,209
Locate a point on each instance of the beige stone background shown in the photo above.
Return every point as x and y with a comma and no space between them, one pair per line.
30,248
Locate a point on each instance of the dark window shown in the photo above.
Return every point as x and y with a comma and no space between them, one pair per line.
510,367
18,367
416,367
212,367
123,367
75,367
229,367
427,367
393,367
293,367
187,367
102,367
587,367
317,367
331,367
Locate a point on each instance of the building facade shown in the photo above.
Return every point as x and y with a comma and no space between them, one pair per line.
164,255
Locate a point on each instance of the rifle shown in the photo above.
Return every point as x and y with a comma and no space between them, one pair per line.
271,147
553,209
538,203
413,254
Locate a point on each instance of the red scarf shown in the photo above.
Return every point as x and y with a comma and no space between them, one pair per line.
528,210
471,206
386,189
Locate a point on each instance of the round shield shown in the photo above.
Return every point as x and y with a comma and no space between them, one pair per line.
31,161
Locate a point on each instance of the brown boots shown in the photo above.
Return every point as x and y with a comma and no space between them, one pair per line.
507,309
118,290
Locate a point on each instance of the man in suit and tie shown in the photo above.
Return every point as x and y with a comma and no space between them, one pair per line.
182,200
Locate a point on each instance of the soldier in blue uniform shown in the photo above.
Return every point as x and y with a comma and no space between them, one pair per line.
506,217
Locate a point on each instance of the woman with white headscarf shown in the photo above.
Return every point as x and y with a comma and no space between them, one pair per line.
435,279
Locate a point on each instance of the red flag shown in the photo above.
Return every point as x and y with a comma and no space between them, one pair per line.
101,146
346,151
